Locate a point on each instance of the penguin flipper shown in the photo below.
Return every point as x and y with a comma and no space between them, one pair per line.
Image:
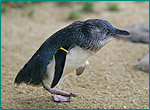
60,58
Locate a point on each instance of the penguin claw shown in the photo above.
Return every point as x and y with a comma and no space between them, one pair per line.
72,95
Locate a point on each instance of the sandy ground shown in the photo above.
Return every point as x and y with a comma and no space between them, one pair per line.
108,82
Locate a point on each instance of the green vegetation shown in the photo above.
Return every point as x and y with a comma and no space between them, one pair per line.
22,3
18,4
113,6
88,6
31,11
64,3
3,8
74,14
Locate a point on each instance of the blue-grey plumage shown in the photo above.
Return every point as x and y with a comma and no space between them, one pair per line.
82,39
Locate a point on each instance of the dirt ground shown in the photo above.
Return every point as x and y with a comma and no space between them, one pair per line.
108,82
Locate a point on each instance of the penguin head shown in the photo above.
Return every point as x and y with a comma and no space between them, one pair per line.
103,30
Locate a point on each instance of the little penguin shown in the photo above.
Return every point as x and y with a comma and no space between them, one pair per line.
66,51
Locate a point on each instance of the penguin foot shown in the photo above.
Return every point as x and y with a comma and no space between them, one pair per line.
61,92
60,98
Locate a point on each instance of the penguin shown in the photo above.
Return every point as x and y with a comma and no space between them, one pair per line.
65,51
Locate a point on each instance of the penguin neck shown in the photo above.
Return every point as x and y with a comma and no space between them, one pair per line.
94,43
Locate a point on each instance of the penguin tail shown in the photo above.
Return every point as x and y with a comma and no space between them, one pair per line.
19,79
22,76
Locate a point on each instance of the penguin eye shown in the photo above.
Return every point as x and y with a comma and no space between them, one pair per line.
106,31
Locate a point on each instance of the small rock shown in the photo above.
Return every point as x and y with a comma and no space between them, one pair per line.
139,33
143,64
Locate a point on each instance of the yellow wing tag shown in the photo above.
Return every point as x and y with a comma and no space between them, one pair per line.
61,48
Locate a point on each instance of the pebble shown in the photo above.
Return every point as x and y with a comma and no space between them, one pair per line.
143,64
139,33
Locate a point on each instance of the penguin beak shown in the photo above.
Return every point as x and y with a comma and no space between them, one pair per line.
118,32
121,32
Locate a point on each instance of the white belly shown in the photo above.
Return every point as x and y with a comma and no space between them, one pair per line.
75,58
